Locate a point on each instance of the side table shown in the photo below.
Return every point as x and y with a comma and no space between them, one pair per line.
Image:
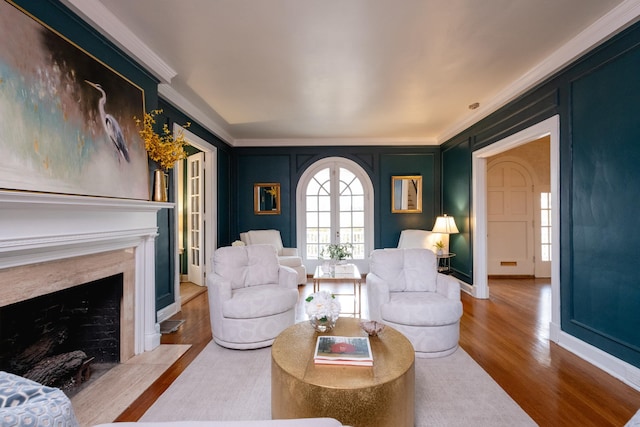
444,262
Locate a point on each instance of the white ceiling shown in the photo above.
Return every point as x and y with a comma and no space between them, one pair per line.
286,72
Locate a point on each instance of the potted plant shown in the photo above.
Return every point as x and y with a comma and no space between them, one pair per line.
337,251
439,247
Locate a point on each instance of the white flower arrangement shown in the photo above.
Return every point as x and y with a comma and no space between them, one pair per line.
322,305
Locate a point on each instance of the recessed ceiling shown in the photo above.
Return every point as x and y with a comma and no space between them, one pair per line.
351,70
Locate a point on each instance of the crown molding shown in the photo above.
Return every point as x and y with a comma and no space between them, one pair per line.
174,97
619,18
96,14
326,142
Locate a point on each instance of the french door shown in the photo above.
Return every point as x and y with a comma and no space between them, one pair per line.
336,199
195,217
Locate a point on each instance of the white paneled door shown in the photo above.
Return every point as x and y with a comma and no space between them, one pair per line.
510,238
195,217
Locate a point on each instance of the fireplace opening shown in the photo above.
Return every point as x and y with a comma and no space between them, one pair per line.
64,338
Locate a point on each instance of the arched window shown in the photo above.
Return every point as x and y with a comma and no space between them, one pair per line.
335,205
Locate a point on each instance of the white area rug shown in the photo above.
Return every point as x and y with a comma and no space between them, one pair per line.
222,384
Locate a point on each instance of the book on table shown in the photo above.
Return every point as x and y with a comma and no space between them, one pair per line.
334,350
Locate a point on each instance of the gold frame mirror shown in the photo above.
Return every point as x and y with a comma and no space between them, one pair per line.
266,198
406,194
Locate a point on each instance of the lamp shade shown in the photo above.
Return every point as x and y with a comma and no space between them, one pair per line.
445,224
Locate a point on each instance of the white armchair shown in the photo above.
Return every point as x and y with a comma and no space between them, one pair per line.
406,292
418,239
252,298
286,256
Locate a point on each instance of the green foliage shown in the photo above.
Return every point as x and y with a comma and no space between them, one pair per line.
337,251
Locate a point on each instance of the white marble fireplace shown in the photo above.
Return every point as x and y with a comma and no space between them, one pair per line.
50,242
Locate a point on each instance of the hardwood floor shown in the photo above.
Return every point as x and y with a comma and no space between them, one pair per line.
507,335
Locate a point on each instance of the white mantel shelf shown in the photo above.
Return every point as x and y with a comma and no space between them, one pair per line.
38,227
19,199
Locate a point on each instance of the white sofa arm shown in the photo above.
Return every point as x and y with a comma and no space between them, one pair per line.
377,294
448,286
287,277
290,252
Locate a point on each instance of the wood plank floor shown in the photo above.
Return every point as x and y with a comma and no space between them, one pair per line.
507,335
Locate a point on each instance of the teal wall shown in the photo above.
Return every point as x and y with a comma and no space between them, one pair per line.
286,165
596,99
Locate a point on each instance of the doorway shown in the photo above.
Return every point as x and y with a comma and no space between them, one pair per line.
196,214
334,205
480,288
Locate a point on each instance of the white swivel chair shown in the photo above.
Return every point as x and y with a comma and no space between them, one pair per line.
418,239
405,291
286,256
252,298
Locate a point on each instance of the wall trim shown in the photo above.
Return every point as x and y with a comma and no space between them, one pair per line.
617,368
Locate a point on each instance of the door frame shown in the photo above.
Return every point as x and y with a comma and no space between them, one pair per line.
210,216
480,287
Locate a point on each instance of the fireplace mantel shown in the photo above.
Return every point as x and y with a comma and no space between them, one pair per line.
39,227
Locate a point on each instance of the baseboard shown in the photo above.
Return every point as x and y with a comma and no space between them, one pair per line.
511,276
168,311
615,367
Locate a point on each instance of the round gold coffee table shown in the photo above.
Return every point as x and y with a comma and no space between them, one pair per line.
358,396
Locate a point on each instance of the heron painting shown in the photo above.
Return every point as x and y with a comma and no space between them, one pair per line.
66,119
110,124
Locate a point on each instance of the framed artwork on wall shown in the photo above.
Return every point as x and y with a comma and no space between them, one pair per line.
66,119
266,199
406,194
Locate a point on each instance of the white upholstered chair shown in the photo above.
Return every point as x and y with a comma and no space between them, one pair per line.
252,298
406,292
418,239
286,256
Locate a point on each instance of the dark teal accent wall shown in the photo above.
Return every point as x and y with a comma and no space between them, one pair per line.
605,291
457,203
596,99
287,164
266,168
389,225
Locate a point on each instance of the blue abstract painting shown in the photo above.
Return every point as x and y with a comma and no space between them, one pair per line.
66,119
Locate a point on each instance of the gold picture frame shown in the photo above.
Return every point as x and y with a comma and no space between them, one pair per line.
406,194
266,198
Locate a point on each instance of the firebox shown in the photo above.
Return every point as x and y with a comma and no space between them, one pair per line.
37,333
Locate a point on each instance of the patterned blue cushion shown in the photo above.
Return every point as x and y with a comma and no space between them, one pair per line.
25,403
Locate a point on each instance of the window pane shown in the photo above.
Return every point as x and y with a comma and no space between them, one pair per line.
312,219
324,203
358,219
345,220
345,203
324,219
358,203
